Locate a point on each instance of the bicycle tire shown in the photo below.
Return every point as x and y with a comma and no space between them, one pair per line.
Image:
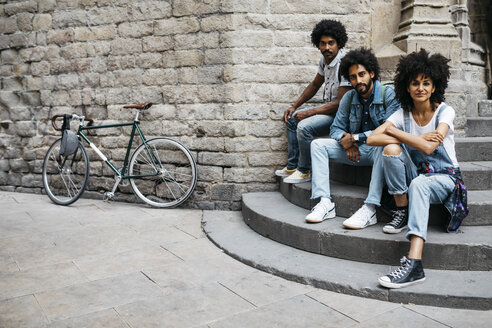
177,172
65,177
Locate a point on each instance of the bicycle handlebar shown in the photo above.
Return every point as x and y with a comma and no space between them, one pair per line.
73,116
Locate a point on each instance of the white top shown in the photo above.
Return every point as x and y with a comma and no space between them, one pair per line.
330,72
447,116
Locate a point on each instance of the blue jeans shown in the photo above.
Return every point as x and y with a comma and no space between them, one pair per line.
401,177
301,134
324,150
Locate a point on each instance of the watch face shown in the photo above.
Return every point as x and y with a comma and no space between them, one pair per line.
356,137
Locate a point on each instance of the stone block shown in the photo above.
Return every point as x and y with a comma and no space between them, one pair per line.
220,56
20,113
60,67
119,95
19,7
172,26
292,6
9,99
128,77
200,112
59,98
227,191
200,75
25,129
246,144
157,44
67,81
59,36
106,15
266,129
149,10
46,5
267,159
278,143
180,94
12,84
238,6
246,111
250,73
188,58
40,68
135,29
195,7
217,23
80,65
292,38
159,77
31,99
74,50
8,25
196,41
94,33
24,21
243,175
247,38
100,48
203,143
148,94
296,74
69,18
9,56
222,159
207,173
219,128
175,128
149,60
4,42
125,46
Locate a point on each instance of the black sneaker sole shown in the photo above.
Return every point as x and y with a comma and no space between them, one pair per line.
392,230
393,285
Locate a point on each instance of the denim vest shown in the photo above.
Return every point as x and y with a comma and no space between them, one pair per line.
439,163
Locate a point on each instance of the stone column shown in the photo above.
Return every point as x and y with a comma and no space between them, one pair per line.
427,24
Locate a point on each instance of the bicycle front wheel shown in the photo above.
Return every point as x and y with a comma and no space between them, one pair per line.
65,177
166,172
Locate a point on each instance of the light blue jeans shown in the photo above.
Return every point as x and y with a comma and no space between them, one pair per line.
422,190
301,134
324,150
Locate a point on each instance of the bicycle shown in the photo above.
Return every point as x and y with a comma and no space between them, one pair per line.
162,171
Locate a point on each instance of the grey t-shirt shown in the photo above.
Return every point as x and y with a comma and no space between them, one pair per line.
330,72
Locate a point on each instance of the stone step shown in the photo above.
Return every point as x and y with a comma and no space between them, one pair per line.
445,288
473,149
349,199
485,107
477,175
272,216
478,127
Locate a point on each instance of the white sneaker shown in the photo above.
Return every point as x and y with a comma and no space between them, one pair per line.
298,177
362,218
321,212
285,172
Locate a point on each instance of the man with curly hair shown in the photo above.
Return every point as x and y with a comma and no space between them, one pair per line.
303,125
361,110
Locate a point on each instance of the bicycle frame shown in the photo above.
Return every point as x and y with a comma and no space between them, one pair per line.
135,127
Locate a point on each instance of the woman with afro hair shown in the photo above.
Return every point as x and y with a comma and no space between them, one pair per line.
419,159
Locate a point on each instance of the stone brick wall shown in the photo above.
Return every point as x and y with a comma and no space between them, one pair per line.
220,71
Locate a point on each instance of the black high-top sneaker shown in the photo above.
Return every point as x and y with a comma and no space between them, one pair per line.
399,221
410,272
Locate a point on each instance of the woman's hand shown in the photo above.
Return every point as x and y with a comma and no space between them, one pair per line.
433,136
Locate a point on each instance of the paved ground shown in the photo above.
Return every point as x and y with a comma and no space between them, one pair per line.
97,264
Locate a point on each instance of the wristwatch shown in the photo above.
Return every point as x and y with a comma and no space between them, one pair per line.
356,137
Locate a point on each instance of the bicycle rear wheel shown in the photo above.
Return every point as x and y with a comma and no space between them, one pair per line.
65,177
167,172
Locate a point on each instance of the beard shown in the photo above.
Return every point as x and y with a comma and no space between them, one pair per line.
365,89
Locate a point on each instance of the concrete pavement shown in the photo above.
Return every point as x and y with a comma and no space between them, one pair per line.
97,264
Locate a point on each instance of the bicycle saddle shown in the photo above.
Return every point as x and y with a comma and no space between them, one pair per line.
139,106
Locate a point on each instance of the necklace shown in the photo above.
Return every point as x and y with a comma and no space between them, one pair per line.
419,122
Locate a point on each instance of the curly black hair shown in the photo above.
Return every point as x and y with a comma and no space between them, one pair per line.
362,56
435,67
331,28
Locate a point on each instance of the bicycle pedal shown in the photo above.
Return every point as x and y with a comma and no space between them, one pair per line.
107,196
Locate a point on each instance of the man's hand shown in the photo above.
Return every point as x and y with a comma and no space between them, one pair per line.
433,136
353,154
303,115
288,113
346,141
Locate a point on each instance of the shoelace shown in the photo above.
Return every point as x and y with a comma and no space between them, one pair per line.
398,217
402,270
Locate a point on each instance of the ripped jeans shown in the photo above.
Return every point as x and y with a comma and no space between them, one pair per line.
401,177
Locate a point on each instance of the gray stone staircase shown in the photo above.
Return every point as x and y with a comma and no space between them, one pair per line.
353,259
